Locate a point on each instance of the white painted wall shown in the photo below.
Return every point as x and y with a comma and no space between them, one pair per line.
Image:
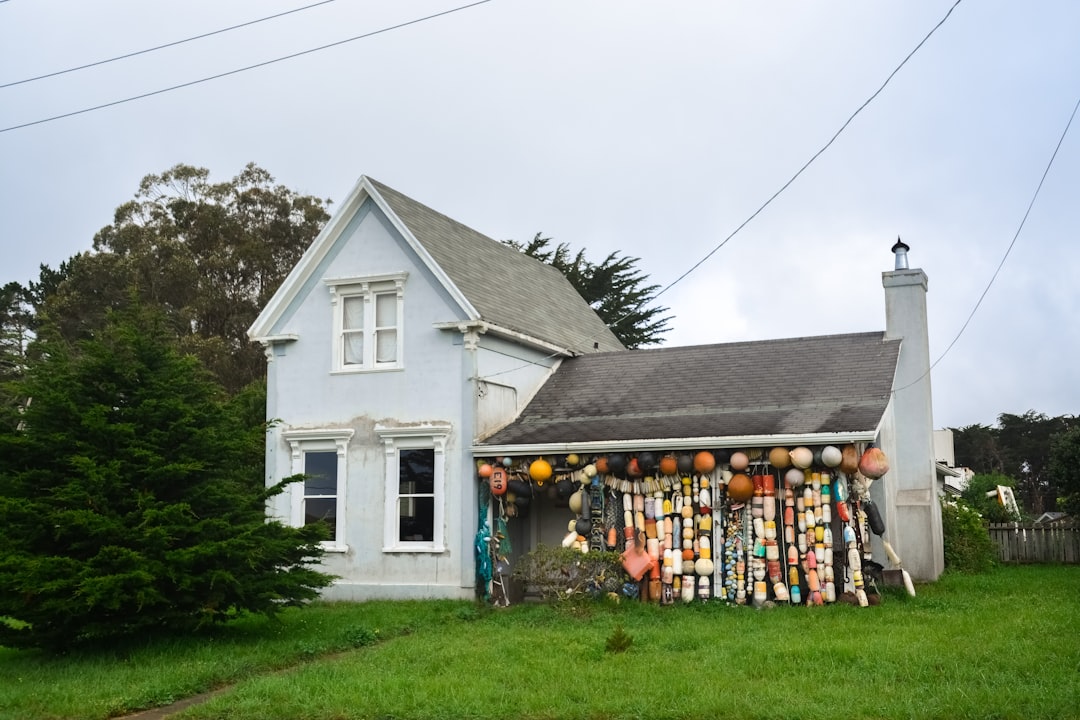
429,389
438,385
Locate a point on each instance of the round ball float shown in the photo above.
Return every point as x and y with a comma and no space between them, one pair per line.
589,470
802,457
873,463
831,456
779,458
485,470
722,456
507,461
849,459
616,463
602,465
668,465
572,460
739,461
647,462
540,470
794,478
633,468
685,464
740,488
575,502
704,462
519,488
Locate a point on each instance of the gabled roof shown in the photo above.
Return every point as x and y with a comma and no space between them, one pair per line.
491,282
834,386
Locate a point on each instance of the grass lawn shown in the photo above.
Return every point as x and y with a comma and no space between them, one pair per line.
1004,644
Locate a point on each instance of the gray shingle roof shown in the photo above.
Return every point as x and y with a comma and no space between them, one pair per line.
507,287
825,384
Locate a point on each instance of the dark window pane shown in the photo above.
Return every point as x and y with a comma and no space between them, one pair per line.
416,471
322,510
321,471
417,519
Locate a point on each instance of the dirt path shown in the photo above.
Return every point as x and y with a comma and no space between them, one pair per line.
159,713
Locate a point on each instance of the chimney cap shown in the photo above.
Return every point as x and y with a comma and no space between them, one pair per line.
900,245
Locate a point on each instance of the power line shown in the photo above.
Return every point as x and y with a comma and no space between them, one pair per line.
249,67
161,47
1004,257
807,164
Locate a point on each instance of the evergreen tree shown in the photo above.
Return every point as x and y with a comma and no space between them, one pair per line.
132,496
614,288
207,255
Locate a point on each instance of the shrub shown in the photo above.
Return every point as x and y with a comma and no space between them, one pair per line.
968,547
560,574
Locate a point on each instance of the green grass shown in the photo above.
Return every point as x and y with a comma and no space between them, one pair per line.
999,645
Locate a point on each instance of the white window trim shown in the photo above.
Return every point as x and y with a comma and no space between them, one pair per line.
317,440
410,438
367,287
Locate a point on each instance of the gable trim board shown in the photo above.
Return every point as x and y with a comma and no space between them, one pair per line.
294,282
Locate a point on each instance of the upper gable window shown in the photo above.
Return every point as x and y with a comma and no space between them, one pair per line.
367,322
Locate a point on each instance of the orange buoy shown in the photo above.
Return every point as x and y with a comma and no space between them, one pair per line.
740,488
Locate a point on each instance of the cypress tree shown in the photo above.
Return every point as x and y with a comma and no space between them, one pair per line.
132,496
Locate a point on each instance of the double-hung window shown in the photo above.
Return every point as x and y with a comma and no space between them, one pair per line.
321,457
415,481
368,322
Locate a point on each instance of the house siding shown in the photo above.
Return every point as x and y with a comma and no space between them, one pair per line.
307,395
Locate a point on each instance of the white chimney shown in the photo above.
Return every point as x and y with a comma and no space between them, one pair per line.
910,491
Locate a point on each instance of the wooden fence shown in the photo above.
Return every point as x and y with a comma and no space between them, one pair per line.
1020,543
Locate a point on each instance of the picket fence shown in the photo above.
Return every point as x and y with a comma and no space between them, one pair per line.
1020,543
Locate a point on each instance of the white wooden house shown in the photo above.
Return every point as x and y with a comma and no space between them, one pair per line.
405,346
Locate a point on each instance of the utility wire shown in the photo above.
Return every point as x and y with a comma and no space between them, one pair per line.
807,164
784,187
249,67
1004,257
166,45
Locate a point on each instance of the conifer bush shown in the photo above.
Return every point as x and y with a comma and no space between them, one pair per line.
132,496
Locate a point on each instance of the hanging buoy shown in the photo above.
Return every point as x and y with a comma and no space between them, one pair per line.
498,481
739,461
873,517
704,462
802,457
779,458
849,460
873,463
831,456
740,488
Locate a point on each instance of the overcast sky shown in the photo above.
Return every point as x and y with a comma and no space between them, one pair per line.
648,128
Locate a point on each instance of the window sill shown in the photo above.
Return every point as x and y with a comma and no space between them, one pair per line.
364,370
415,548
330,547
